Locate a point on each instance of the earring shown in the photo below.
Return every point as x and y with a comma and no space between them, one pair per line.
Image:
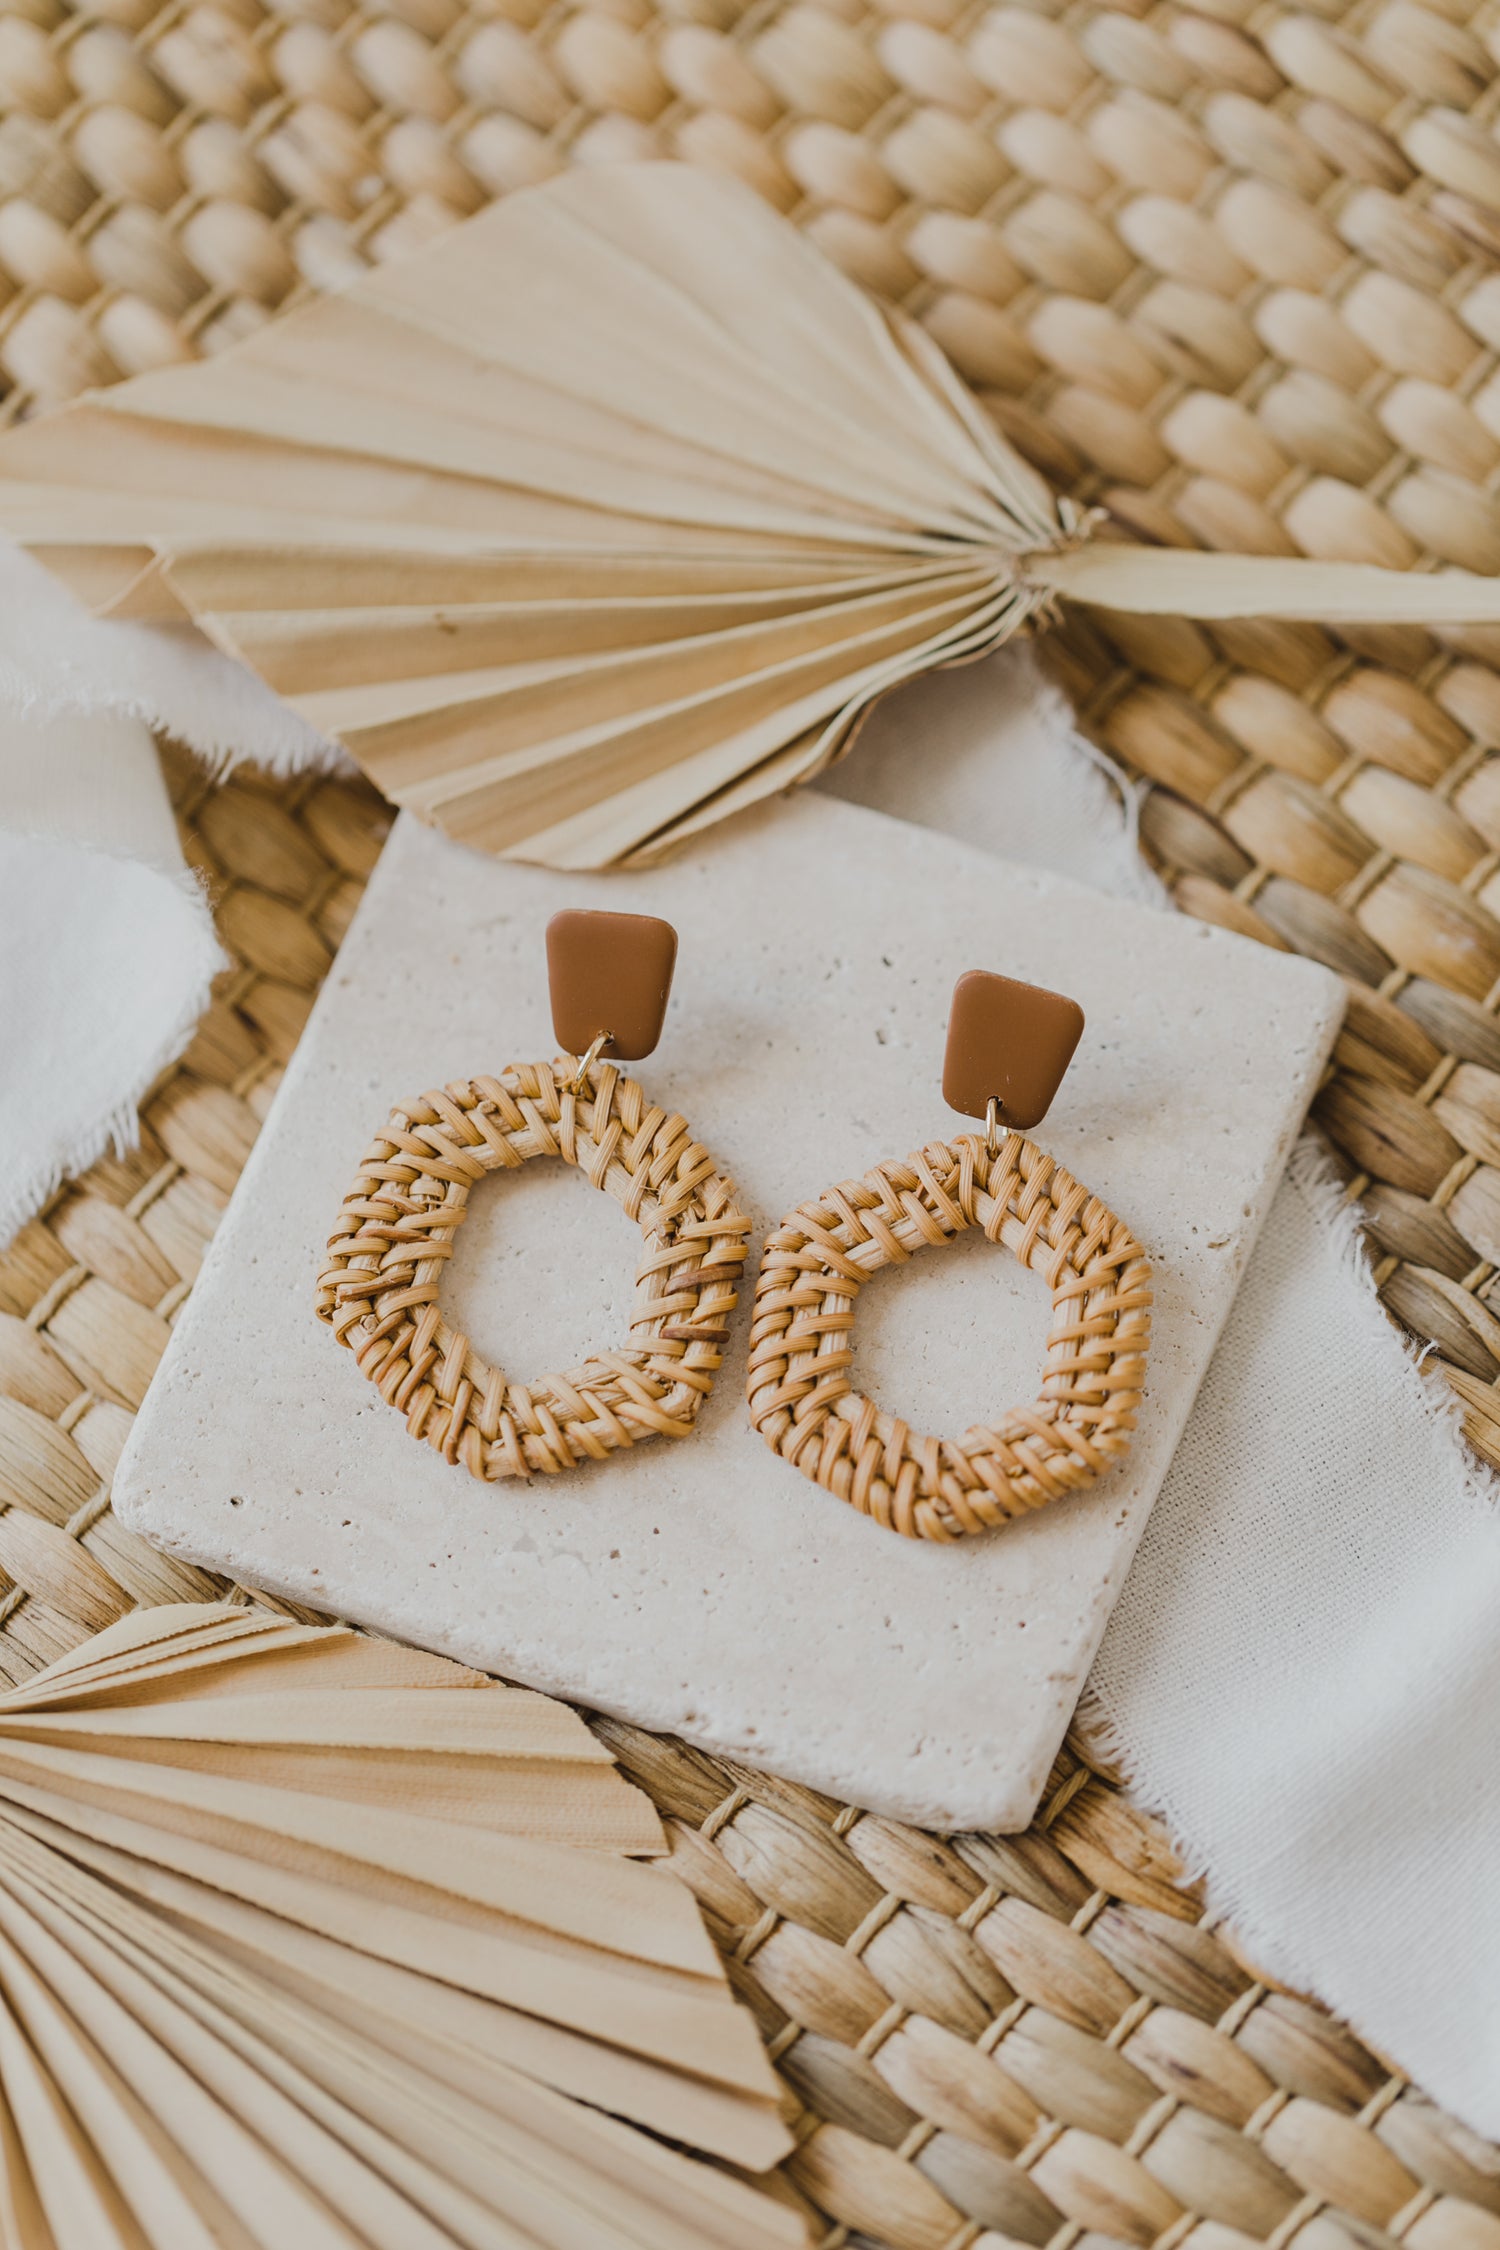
1008,1047
610,975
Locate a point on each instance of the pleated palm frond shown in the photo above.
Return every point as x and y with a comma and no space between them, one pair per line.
611,511
310,1940
605,515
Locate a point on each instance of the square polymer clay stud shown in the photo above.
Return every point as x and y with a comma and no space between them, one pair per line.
1009,1043
609,977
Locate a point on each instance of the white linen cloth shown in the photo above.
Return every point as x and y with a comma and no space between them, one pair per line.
107,946
1303,1673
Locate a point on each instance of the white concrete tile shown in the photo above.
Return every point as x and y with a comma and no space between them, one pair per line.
705,1587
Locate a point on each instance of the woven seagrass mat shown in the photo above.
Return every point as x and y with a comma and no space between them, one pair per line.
1232,274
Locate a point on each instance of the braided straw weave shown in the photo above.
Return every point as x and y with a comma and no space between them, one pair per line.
819,1258
395,1233
986,2041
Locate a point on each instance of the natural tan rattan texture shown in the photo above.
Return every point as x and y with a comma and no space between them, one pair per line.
395,1233
812,1270
991,2041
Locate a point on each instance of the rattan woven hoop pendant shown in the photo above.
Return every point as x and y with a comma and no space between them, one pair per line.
806,1408
396,1231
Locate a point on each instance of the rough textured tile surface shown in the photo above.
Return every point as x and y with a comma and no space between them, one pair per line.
705,1587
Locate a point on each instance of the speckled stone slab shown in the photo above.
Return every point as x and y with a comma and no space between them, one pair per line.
705,1587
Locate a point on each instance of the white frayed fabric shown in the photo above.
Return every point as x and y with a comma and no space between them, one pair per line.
58,661
1303,1672
107,947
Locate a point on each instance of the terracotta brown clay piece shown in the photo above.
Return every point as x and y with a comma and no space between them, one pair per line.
610,976
1009,1043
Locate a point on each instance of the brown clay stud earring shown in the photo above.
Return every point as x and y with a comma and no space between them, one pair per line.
610,975
1008,1047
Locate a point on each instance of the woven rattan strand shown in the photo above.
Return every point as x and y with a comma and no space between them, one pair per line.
986,2040
813,1268
396,1230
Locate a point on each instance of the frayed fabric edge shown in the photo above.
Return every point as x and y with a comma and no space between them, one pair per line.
1113,818
1314,1175
170,677
119,1128
247,726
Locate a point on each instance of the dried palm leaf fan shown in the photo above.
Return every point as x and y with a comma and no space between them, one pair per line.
309,1942
611,512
